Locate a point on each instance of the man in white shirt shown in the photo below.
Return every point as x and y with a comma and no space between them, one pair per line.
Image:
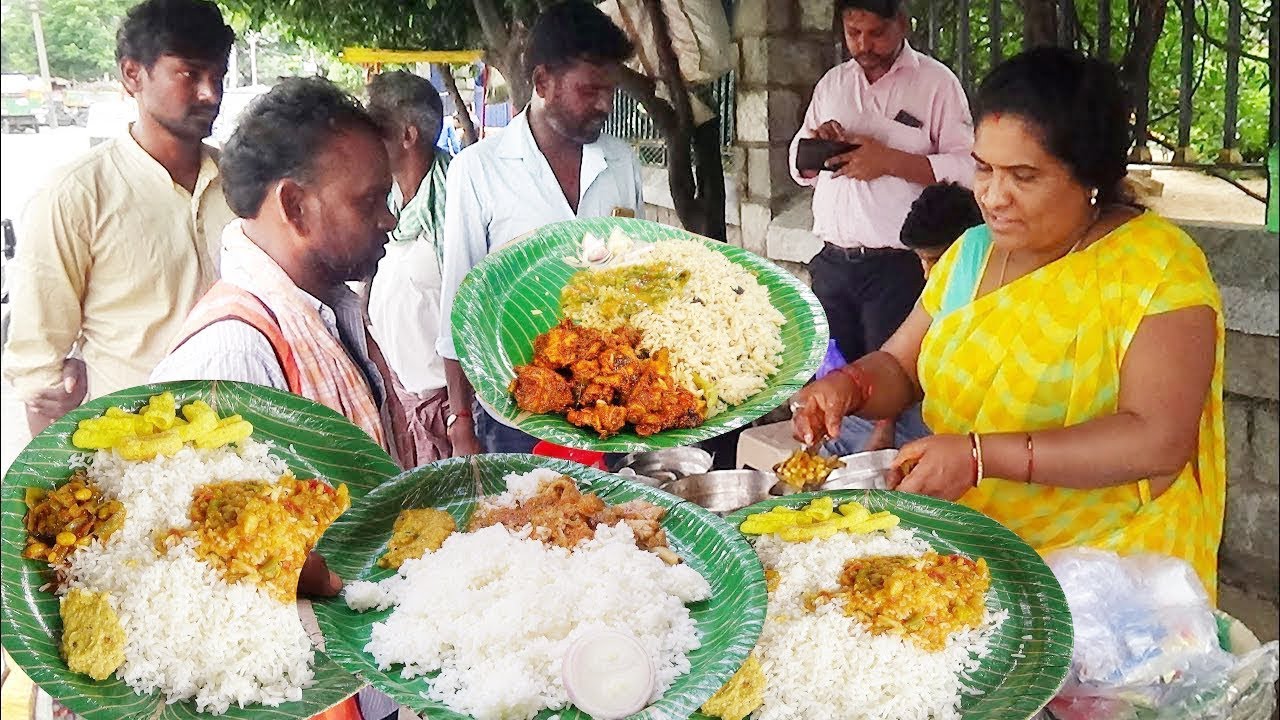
404,296
550,164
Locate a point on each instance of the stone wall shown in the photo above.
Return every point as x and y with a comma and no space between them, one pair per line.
783,50
1243,260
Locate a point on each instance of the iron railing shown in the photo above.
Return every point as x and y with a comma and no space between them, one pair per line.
630,122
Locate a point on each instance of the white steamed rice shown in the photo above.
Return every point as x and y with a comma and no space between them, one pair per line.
729,339
189,634
824,664
495,612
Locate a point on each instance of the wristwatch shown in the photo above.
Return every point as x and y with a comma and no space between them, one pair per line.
453,418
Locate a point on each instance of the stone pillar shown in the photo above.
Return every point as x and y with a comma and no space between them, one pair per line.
1243,260
1250,544
784,49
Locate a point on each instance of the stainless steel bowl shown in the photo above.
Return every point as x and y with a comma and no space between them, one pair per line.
630,474
723,491
668,464
862,471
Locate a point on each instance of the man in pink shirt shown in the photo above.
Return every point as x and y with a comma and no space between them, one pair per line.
910,118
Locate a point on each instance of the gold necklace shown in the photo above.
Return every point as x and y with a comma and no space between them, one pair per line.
1004,265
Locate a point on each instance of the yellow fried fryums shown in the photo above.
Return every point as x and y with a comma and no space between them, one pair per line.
158,428
817,520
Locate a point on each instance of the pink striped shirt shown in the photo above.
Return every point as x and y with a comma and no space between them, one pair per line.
853,213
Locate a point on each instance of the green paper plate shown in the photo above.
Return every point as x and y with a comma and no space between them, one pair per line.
1012,687
314,441
514,295
730,620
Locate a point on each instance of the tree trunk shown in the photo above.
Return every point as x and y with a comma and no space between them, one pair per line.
1039,23
505,45
1135,68
469,134
709,168
695,167
510,62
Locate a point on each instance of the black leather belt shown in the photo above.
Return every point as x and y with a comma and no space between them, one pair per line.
855,253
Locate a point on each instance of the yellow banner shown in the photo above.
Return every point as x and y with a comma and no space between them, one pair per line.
372,56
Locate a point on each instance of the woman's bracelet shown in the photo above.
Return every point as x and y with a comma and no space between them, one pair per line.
975,445
1031,457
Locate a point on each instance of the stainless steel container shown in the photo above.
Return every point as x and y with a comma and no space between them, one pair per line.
862,471
666,465
723,491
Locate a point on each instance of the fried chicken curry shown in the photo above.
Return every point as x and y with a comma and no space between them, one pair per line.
604,382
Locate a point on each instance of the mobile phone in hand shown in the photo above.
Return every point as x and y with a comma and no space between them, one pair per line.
812,154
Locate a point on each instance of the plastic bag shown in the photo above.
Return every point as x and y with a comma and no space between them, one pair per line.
1147,644
832,361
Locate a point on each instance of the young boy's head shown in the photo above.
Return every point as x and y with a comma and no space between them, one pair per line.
940,215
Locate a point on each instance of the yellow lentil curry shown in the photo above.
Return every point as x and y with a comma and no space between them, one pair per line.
924,599
92,636
739,697
261,532
416,532
623,291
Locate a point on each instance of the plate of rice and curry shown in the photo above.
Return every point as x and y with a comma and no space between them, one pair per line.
620,335
890,606
513,587
152,542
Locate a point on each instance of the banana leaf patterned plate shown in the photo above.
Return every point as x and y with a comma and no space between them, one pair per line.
312,439
514,295
1020,675
729,621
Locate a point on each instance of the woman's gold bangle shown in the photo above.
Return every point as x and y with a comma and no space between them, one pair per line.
975,441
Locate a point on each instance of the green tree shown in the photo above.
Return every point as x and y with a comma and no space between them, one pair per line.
1145,40
79,36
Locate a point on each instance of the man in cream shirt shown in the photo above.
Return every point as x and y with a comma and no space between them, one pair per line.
120,245
550,164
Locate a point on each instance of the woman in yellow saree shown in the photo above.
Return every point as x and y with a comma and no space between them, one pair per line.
1069,351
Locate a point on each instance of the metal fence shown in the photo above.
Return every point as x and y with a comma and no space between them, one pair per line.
630,121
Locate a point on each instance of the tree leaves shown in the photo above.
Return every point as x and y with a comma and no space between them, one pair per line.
79,36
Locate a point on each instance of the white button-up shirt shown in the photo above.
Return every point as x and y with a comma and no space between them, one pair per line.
404,307
502,188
